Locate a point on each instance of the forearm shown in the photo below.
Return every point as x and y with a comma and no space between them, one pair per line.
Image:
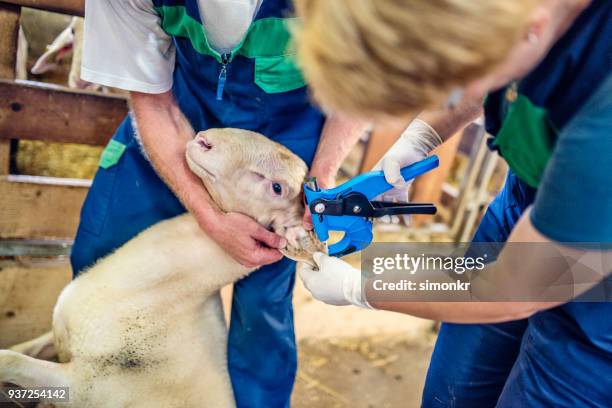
466,312
164,132
422,135
338,137
497,277
530,274
447,122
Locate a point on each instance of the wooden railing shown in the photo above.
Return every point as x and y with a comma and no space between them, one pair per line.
72,7
41,207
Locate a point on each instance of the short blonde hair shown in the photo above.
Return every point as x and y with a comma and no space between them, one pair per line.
394,57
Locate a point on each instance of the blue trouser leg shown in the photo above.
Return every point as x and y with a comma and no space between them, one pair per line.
565,359
471,362
129,197
261,335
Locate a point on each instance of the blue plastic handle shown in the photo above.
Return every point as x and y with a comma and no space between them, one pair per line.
358,230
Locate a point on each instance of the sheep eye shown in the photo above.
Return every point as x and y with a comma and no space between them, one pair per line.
277,188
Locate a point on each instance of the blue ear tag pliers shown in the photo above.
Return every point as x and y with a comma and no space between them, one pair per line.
349,207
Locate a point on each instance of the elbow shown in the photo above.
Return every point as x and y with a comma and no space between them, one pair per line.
520,314
524,310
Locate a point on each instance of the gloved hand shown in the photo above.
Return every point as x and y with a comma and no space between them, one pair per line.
335,282
415,144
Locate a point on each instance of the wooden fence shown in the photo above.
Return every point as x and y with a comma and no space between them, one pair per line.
34,207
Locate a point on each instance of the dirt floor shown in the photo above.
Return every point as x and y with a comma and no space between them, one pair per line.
377,371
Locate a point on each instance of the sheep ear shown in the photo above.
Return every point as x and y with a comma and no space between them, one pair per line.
58,48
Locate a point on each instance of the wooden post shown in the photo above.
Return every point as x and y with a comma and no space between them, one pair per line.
5,157
9,33
477,157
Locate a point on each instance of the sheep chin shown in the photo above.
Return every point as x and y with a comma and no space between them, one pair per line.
303,248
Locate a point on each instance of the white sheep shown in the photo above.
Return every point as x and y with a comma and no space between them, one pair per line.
36,33
144,326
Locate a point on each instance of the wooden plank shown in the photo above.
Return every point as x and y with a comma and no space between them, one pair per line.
5,157
28,292
30,110
39,207
73,7
9,33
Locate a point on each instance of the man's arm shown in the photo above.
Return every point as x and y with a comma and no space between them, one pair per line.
447,122
506,272
424,134
340,134
338,137
164,132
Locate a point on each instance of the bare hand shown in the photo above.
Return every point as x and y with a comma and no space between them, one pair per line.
245,240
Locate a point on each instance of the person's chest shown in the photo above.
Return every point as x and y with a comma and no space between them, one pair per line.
227,21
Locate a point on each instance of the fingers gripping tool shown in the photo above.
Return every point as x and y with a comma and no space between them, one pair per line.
349,207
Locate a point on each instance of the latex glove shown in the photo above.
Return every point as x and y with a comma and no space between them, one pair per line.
415,144
335,282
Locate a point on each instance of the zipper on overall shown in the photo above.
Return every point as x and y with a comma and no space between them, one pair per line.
222,76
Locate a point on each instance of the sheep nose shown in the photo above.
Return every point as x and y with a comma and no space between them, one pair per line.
204,143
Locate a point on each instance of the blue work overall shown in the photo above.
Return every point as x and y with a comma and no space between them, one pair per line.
256,87
560,357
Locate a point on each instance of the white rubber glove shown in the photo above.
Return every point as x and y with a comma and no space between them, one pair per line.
335,282
415,144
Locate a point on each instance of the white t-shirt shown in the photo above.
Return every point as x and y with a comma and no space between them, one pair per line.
125,47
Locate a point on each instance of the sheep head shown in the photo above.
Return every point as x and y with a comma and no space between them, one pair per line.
246,172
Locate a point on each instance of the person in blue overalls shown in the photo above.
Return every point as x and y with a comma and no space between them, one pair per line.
192,65
547,69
